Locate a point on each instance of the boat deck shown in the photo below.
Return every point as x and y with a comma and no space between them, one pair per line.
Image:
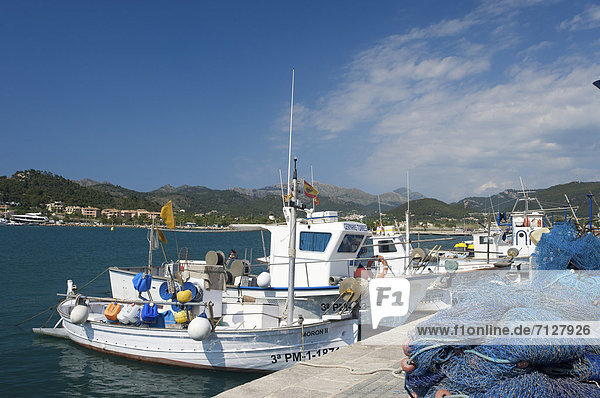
330,376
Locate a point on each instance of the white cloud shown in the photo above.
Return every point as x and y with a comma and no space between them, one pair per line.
432,102
486,187
588,19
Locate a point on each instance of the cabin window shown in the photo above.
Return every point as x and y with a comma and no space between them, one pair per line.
387,246
314,241
484,240
350,243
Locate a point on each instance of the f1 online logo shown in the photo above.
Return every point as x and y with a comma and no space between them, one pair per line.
388,298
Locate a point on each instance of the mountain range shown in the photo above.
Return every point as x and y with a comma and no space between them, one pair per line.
388,200
33,188
352,200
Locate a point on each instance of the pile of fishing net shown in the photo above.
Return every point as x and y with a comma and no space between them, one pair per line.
564,289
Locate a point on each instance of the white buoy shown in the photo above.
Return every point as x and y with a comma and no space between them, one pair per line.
263,280
79,314
199,328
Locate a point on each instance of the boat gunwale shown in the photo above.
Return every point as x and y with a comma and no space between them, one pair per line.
184,331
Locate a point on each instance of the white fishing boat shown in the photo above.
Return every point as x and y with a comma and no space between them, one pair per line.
247,337
196,327
510,239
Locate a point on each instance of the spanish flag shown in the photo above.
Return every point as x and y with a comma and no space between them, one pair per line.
166,213
311,192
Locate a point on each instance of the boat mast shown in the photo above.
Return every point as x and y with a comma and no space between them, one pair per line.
150,246
290,141
291,213
525,195
407,230
292,247
312,182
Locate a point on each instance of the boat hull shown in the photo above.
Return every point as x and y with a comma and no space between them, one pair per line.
256,350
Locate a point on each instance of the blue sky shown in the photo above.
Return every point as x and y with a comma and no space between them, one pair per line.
465,95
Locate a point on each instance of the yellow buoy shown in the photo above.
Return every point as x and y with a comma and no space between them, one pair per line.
112,228
184,296
181,317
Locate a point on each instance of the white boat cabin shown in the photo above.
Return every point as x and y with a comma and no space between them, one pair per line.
326,250
395,250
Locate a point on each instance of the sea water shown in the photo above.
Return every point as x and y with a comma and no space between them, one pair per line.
37,261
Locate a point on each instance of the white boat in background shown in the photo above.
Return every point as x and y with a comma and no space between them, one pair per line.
511,238
28,218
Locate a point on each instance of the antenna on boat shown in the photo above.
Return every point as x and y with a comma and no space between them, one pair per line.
290,142
312,182
572,211
281,185
379,203
525,195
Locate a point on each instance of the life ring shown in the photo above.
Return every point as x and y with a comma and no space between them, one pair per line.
383,262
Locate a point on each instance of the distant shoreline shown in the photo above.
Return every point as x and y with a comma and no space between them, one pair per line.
190,229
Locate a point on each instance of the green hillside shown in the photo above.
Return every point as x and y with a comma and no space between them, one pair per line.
33,188
429,210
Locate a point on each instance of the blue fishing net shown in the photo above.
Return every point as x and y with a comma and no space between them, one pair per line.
563,288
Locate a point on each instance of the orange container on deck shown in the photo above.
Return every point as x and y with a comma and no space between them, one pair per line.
111,311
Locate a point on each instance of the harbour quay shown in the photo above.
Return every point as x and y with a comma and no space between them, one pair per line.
361,370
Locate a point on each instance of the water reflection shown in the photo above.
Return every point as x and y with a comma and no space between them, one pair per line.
86,373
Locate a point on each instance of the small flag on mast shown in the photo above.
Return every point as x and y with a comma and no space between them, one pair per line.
166,213
311,192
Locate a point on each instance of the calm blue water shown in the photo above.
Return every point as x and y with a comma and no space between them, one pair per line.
36,262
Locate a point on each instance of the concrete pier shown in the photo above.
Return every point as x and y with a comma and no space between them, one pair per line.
332,374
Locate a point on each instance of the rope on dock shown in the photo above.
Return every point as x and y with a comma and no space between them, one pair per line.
395,372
